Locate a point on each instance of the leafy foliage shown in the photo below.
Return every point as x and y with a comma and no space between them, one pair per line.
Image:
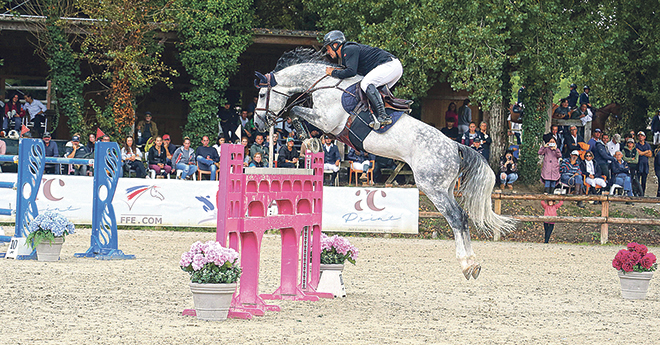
212,274
277,14
212,35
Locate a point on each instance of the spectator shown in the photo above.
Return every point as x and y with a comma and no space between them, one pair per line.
257,161
631,156
550,169
571,174
451,113
584,114
260,146
554,133
105,138
217,147
602,157
631,134
51,151
562,112
37,112
169,150
508,170
477,146
288,155
549,210
13,110
228,122
514,143
515,129
246,151
158,158
572,97
621,173
77,151
331,157
3,150
361,161
471,135
146,129
521,95
645,153
584,97
486,140
613,145
207,157
91,142
252,106
247,126
450,131
656,165
184,160
132,158
593,175
655,128
571,141
464,116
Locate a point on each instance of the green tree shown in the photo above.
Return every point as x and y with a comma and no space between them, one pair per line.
212,35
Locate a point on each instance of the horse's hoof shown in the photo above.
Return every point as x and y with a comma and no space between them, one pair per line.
468,272
476,271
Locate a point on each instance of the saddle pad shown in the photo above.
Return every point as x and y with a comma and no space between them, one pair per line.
349,98
359,129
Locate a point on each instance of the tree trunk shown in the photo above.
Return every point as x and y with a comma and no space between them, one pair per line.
498,132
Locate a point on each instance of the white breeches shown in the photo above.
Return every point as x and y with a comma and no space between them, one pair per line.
329,166
596,182
364,166
387,73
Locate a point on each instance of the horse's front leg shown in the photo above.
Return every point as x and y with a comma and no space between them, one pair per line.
310,115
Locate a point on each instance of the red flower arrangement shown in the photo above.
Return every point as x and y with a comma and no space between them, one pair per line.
635,258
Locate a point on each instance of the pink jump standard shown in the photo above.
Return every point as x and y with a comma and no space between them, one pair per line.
243,201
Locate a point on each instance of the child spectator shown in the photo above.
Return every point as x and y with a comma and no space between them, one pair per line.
450,131
550,209
471,135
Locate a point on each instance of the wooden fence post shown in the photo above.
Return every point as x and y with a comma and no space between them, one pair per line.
497,207
605,212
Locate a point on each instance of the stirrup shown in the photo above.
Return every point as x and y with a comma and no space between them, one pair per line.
385,120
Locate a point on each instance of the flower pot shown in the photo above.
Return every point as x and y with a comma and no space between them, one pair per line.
634,285
331,280
47,251
212,301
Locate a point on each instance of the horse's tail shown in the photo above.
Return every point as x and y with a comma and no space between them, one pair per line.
477,182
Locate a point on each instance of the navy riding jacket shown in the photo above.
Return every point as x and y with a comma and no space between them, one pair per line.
360,59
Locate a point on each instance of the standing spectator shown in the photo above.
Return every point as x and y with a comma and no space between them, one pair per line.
361,161
184,160
146,129
645,153
37,112
655,128
247,126
3,150
593,175
228,122
571,141
550,169
169,150
621,173
260,146
77,151
451,114
91,142
51,151
571,174
584,97
158,158
554,133
508,170
464,116
602,157
207,157
549,210
450,131
132,158
656,165
471,135
13,110
331,157
573,97
288,155
631,156
614,145
486,140
252,106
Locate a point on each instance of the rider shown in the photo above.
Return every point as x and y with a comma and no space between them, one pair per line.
573,97
378,67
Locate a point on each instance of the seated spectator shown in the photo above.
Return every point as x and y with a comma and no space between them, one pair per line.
77,151
13,111
207,157
593,175
260,146
158,158
51,151
277,144
246,151
550,169
596,136
184,159
288,155
331,157
562,112
361,161
631,156
169,150
472,134
477,146
37,112
132,158
645,153
602,157
508,170
614,144
571,174
571,141
91,142
621,173
221,140
105,138
583,114
451,114
486,140
257,162
450,131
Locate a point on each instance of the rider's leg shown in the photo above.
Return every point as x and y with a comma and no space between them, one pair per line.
384,74
377,102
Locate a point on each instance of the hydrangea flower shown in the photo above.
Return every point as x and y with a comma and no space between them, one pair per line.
635,257
210,262
47,226
336,250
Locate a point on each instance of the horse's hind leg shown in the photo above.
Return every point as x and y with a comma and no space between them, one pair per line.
458,220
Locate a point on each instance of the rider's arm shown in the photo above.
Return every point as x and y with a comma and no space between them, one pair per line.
351,59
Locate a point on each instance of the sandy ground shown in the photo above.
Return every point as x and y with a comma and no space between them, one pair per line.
402,291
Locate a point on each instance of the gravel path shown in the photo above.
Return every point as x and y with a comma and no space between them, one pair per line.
402,291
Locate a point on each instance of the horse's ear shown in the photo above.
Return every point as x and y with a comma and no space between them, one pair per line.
261,80
272,80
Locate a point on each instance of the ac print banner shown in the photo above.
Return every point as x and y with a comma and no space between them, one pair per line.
381,210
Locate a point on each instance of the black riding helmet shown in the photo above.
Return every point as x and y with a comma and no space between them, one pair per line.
332,37
573,86
586,87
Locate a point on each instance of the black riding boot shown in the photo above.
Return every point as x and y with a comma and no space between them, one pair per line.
377,102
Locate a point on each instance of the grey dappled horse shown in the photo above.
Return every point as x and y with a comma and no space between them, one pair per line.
436,161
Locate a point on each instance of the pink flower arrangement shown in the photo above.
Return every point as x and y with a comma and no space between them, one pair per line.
336,250
635,257
210,263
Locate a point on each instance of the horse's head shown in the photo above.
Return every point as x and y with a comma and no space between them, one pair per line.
616,110
272,99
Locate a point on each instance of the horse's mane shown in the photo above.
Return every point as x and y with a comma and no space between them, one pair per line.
302,55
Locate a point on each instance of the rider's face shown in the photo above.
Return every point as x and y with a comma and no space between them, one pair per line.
330,52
